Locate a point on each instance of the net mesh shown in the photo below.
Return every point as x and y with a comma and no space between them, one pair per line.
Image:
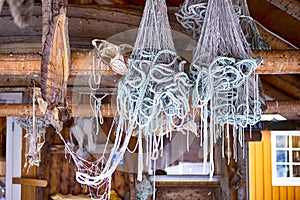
150,96
221,67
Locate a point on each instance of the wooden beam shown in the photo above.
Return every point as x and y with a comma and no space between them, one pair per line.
30,64
279,62
283,107
276,20
30,182
282,125
275,62
290,87
109,110
22,110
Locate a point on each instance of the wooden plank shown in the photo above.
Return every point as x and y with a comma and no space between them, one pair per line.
288,84
64,175
259,170
283,192
291,193
272,92
64,168
252,171
297,192
30,182
54,178
275,193
267,165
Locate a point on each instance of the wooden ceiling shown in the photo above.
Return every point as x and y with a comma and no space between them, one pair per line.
278,23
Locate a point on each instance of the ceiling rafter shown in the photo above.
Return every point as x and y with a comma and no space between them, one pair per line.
276,20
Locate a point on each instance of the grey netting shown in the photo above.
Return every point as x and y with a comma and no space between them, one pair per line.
221,67
154,91
191,16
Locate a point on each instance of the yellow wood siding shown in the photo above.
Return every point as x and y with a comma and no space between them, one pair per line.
260,173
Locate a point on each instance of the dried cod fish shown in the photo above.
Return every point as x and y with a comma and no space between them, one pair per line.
55,70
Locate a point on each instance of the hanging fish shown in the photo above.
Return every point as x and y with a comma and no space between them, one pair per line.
55,70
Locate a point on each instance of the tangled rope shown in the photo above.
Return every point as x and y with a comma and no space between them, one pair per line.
221,68
35,128
154,90
191,16
86,169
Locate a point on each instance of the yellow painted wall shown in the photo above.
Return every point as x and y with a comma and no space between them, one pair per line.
260,173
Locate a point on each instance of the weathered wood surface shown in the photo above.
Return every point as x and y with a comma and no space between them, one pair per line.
276,20
188,192
275,62
30,182
86,22
109,110
282,87
291,7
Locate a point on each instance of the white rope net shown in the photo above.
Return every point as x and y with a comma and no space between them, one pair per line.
153,96
221,68
152,99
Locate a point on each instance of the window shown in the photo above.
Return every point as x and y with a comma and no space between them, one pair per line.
285,158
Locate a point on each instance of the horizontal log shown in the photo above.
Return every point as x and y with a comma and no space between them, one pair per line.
279,62
30,182
283,107
275,62
109,110
22,110
30,64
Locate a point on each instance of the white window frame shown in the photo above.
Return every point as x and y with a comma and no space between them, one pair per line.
284,181
13,149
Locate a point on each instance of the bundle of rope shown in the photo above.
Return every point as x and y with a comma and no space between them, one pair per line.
221,66
154,90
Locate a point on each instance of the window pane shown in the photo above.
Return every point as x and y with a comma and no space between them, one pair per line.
282,156
281,141
283,171
296,141
296,156
296,171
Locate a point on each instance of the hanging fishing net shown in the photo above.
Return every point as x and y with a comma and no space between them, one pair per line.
191,16
152,99
35,128
153,96
221,66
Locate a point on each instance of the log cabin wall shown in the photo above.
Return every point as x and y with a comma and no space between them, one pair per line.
260,176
